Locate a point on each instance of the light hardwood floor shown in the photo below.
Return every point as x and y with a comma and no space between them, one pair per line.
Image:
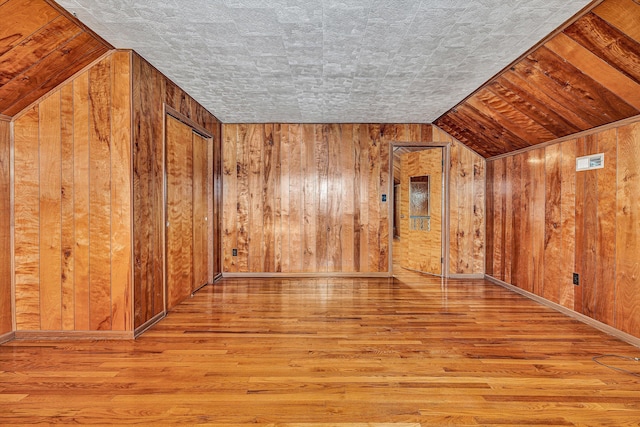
410,351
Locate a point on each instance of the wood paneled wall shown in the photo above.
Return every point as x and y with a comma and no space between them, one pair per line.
546,221
6,318
151,89
307,198
73,204
466,202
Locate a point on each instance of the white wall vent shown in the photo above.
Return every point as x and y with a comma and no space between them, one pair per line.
594,161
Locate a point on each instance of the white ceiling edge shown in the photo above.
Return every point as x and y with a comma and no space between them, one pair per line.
330,61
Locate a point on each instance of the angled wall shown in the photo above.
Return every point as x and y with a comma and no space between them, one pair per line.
546,221
72,204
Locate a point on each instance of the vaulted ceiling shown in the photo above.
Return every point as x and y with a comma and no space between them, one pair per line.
475,68
585,76
318,61
40,47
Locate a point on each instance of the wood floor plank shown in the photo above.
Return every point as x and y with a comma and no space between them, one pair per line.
409,351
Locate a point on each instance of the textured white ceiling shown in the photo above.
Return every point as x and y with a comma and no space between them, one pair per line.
327,60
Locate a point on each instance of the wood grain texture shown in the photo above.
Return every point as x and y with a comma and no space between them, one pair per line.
606,229
332,352
589,257
151,90
518,260
255,136
568,216
67,193
81,186
200,208
337,235
582,77
627,237
50,249
27,221
554,265
490,219
40,48
26,17
230,185
100,196
309,205
581,241
467,205
537,203
499,213
622,14
121,206
6,311
80,238
586,220
424,247
179,234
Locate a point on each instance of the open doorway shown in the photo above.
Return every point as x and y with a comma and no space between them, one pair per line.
419,214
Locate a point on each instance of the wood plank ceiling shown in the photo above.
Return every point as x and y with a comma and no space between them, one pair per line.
586,75
41,46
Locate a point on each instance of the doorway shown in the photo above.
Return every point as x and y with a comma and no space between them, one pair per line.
419,195
187,189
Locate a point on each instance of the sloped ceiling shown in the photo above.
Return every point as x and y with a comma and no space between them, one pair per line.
40,48
353,60
585,76
319,61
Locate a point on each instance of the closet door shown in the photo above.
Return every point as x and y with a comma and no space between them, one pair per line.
179,212
200,208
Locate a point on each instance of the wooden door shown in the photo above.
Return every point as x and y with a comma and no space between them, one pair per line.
179,211
421,233
200,209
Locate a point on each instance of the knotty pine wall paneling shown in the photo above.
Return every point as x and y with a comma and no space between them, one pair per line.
6,309
152,90
321,209
72,205
555,221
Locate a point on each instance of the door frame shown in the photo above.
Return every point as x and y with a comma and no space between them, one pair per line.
446,148
168,111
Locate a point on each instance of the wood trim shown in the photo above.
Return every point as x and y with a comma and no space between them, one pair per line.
581,317
148,324
132,171
466,276
198,288
577,135
302,275
445,235
55,89
73,335
217,277
5,118
12,221
9,336
544,40
186,120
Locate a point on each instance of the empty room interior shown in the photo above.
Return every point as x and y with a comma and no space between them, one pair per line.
320,212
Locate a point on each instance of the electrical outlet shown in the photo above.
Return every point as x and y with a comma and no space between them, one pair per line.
234,252
384,197
576,279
